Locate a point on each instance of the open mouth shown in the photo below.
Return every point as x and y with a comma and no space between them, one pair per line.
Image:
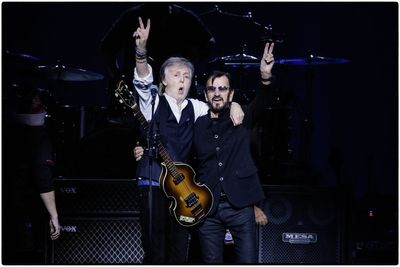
181,90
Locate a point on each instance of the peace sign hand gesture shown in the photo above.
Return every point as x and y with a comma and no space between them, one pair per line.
142,34
267,61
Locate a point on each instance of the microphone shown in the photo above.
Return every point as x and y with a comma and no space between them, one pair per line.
153,90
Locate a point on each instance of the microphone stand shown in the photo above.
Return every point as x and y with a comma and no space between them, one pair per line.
152,152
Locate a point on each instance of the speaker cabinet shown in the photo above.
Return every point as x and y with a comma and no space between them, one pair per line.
97,241
97,197
304,226
100,223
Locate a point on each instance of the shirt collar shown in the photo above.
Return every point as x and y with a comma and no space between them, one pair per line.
172,101
174,107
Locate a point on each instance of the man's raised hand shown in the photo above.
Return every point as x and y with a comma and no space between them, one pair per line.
142,34
267,61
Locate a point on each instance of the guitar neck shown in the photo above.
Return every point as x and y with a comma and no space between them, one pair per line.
167,159
126,97
139,115
162,151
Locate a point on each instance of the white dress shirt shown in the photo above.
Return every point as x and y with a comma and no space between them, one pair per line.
143,89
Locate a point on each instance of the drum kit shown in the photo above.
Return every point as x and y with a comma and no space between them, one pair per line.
62,73
27,74
25,77
51,72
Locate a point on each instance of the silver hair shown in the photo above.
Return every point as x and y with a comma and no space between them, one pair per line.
173,61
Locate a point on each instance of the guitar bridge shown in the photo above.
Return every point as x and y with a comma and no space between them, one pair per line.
198,211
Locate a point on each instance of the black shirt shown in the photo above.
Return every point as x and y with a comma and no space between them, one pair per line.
224,157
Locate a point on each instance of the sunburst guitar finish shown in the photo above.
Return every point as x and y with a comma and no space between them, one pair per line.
190,201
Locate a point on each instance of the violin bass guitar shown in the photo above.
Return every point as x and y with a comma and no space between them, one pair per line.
190,201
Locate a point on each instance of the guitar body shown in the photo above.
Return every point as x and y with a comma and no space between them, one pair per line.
191,201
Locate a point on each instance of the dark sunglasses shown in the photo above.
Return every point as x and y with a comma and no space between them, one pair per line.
221,89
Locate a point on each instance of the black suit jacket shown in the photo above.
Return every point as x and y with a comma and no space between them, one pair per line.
224,158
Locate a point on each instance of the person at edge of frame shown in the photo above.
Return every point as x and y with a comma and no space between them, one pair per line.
29,191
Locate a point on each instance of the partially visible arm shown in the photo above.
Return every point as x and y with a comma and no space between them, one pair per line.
236,114
143,74
200,108
141,35
49,202
267,63
266,83
142,86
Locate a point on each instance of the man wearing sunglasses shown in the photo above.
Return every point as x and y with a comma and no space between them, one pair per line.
227,168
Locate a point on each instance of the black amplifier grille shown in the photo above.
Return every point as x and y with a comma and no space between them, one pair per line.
98,241
303,228
97,197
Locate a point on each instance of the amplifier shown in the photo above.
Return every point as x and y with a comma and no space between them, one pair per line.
97,197
97,240
304,226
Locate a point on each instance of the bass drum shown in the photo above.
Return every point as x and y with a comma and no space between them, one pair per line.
107,153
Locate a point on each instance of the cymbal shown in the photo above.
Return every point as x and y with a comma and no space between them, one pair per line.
20,58
312,60
238,60
62,73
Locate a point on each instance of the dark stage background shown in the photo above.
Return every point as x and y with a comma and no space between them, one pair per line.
333,125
